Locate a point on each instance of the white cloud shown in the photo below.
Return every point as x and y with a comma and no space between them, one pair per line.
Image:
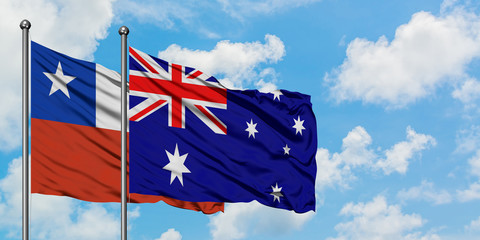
170,234
473,192
474,163
11,197
474,226
468,140
72,221
337,168
342,43
53,217
133,213
10,115
470,194
238,63
72,27
420,236
397,157
425,192
243,219
243,9
268,79
426,52
170,14
378,220
331,171
354,148
447,5
468,93
162,13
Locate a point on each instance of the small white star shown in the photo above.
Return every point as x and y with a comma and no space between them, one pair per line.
276,193
176,165
276,94
298,125
59,81
286,149
251,128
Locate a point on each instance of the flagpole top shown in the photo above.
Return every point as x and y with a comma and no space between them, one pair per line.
25,24
123,30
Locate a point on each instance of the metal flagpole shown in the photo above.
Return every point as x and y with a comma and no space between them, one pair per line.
123,31
25,26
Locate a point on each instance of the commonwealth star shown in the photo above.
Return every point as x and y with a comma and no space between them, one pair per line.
176,165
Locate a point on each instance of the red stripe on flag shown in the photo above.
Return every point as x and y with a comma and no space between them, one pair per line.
147,110
184,90
84,163
177,116
212,118
145,63
195,75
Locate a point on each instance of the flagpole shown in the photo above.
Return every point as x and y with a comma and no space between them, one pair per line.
25,26
123,31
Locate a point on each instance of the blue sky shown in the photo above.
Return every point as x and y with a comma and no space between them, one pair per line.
395,88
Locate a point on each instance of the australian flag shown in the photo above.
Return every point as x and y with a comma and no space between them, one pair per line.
194,140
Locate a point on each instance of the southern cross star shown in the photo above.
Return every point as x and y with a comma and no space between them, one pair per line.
286,149
176,165
276,94
276,192
251,128
59,81
298,125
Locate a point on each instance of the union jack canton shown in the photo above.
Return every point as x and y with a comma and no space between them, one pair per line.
180,146
177,87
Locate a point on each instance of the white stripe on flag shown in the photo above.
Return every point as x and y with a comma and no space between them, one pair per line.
108,101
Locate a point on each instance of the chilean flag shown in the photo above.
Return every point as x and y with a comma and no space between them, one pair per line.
75,132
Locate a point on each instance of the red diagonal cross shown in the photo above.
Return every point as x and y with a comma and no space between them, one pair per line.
178,90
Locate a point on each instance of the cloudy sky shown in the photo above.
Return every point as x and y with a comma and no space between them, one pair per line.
395,88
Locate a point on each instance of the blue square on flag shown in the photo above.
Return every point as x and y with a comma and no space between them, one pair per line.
194,140
64,87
